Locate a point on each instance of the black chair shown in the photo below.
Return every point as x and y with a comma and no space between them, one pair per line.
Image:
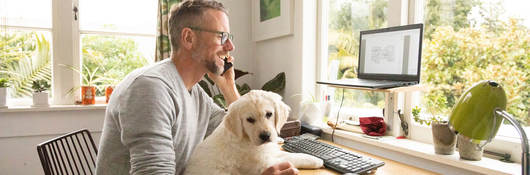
73,153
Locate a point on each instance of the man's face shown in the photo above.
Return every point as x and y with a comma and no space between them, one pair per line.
208,50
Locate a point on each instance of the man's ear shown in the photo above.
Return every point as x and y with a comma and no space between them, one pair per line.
187,37
234,123
281,113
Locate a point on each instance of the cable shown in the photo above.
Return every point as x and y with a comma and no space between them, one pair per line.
337,121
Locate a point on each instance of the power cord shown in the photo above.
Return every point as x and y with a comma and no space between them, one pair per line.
337,120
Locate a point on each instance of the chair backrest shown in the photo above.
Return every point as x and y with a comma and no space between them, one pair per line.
72,153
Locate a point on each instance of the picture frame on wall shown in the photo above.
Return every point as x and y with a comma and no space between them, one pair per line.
271,19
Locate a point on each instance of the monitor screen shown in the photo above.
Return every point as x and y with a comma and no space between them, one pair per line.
391,51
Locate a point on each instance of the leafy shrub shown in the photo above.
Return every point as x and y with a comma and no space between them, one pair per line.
3,83
454,60
108,59
24,58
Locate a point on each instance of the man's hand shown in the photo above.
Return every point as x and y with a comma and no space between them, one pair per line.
227,78
226,83
284,168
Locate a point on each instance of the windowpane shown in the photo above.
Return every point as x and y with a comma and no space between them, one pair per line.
467,41
26,55
346,19
26,13
356,103
131,16
110,58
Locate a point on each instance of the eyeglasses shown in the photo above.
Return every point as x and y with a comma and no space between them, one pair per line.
225,36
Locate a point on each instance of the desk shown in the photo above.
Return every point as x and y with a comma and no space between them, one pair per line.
390,167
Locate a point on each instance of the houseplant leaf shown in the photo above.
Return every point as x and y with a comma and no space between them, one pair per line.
277,84
239,73
209,80
245,88
219,100
205,87
27,69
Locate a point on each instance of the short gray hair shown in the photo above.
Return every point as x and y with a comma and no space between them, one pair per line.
186,14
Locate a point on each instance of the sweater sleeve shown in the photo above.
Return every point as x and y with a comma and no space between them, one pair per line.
146,119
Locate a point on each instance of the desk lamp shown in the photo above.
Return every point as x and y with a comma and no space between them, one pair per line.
478,114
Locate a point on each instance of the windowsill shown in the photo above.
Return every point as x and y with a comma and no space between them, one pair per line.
54,108
426,151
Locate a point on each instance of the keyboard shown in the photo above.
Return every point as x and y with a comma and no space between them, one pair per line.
336,158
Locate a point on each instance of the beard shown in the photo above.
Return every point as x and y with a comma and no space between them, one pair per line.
212,67
209,64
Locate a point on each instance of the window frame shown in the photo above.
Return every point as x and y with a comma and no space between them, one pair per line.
66,50
401,12
66,34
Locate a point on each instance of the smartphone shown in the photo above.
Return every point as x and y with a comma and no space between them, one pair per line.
228,65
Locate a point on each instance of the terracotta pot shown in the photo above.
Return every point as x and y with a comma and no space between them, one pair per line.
88,95
108,92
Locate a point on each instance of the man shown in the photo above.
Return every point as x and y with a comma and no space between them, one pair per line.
158,114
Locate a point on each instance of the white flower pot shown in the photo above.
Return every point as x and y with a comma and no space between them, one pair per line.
40,99
3,97
312,114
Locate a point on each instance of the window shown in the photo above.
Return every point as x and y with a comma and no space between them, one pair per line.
103,39
25,44
346,18
467,41
116,38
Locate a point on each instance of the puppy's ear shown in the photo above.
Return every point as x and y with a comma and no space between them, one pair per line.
234,123
281,112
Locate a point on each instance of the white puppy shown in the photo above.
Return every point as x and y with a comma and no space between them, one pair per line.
245,142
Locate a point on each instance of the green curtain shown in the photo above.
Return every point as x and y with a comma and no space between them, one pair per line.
163,47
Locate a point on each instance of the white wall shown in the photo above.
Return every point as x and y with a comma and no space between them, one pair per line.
20,132
293,54
239,16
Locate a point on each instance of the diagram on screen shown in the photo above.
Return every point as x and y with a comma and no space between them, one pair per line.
385,54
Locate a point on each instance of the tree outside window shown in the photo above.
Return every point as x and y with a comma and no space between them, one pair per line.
470,40
346,19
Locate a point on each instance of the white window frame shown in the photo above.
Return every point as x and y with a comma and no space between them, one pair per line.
67,49
401,12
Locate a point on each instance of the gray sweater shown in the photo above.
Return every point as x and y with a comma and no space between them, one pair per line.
153,123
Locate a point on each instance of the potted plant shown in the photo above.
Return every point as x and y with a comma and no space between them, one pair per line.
3,92
92,79
444,139
312,111
40,94
108,92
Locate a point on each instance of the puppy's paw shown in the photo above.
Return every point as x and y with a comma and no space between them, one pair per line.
304,161
318,163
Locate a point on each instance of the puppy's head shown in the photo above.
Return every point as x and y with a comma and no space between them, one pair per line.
257,116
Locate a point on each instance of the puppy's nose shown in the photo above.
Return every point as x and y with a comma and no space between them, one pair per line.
265,136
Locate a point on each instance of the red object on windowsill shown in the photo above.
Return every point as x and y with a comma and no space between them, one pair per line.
373,126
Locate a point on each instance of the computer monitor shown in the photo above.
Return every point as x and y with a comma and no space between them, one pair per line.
392,53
